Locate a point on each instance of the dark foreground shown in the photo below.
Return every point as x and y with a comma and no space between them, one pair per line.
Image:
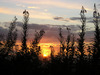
27,65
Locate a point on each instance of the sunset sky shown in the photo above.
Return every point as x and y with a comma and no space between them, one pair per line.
48,15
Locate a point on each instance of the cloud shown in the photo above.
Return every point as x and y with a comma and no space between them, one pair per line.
45,10
33,7
33,13
34,26
58,18
20,5
75,18
24,6
61,19
71,20
40,15
5,10
52,3
51,31
89,36
89,19
98,5
3,31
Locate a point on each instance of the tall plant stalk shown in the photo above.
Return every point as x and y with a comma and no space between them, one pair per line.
96,20
82,33
12,36
25,29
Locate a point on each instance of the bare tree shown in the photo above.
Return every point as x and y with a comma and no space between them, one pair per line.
25,24
96,21
82,33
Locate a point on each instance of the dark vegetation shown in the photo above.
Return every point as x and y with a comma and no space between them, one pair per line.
71,60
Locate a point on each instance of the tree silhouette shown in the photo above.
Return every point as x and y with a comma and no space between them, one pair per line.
72,45
52,53
68,41
96,20
35,42
12,36
82,33
62,43
64,63
25,24
1,39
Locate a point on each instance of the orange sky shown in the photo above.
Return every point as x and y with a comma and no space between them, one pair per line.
45,46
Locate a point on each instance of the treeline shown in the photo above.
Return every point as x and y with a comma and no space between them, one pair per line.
24,61
71,46
70,60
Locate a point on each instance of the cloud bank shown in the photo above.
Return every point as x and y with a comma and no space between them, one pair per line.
51,31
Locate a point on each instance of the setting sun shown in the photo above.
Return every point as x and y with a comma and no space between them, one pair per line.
45,55
50,37
46,52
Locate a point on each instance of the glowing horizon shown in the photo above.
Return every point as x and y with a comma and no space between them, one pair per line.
49,15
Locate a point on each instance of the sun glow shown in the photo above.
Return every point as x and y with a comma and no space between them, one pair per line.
46,52
45,55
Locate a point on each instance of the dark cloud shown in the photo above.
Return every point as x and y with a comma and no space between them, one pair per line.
89,36
3,31
75,18
98,5
90,21
34,26
51,31
58,18
78,18
61,18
